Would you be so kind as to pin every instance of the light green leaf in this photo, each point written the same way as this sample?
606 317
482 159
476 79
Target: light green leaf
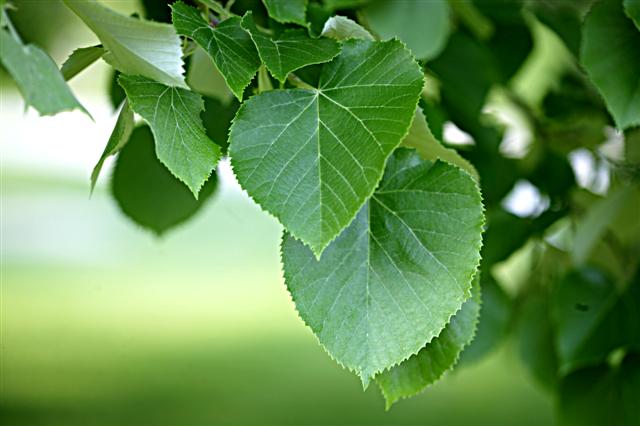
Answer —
228 44
395 276
312 157
134 46
79 60
422 25
287 11
292 50
341 28
204 78
610 53
174 116
119 137
437 357
632 9
37 77
421 138
147 192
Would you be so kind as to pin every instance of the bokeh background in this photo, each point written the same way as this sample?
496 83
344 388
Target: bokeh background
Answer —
103 323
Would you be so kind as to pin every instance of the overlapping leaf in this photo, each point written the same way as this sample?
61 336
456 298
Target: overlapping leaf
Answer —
287 11
174 116
37 77
292 50
79 60
394 277
134 46
312 157
437 357
147 192
228 44
610 53
341 28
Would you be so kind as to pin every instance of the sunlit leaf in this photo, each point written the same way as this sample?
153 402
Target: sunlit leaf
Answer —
341 28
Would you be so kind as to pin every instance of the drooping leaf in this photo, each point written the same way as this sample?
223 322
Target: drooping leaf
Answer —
79 60
228 44
422 25
287 11
37 76
437 357
632 9
312 157
147 192
421 138
119 137
134 46
610 53
291 50
394 277
173 114
341 28
602 395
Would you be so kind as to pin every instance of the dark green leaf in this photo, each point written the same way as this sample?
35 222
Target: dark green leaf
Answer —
286 11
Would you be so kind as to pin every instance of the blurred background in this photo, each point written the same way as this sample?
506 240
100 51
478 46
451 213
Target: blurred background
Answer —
103 323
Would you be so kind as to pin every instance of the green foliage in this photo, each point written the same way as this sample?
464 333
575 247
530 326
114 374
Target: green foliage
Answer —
352 153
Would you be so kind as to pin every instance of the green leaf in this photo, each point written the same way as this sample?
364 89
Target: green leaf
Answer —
421 138
147 192
203 77
395 276
217 117
341 28
610 53
602 395
312 157
437 357
291 50
174 117
79 60
119 137
134 46
228 44
632 9
37 77
422 25
287 11
344 4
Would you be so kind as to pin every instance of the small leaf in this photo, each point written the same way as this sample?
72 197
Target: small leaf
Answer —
437 357
228 44
287 11
134 46
610 53
341 28
37 76
119 137
292 50
312 157
79 60
174 117
147 192
394 277
421 138
422 25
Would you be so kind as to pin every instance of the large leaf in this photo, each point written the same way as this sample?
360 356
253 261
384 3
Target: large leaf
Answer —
286 11
174 116
79 60
437 357
610 53
394 277
134 46
291 50
228 44
312 157
422 25
37 77
147 192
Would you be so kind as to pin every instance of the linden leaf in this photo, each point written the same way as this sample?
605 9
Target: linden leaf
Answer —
228 44
292 50
395 276
174 117
134 46
287 11
312 157
79 60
